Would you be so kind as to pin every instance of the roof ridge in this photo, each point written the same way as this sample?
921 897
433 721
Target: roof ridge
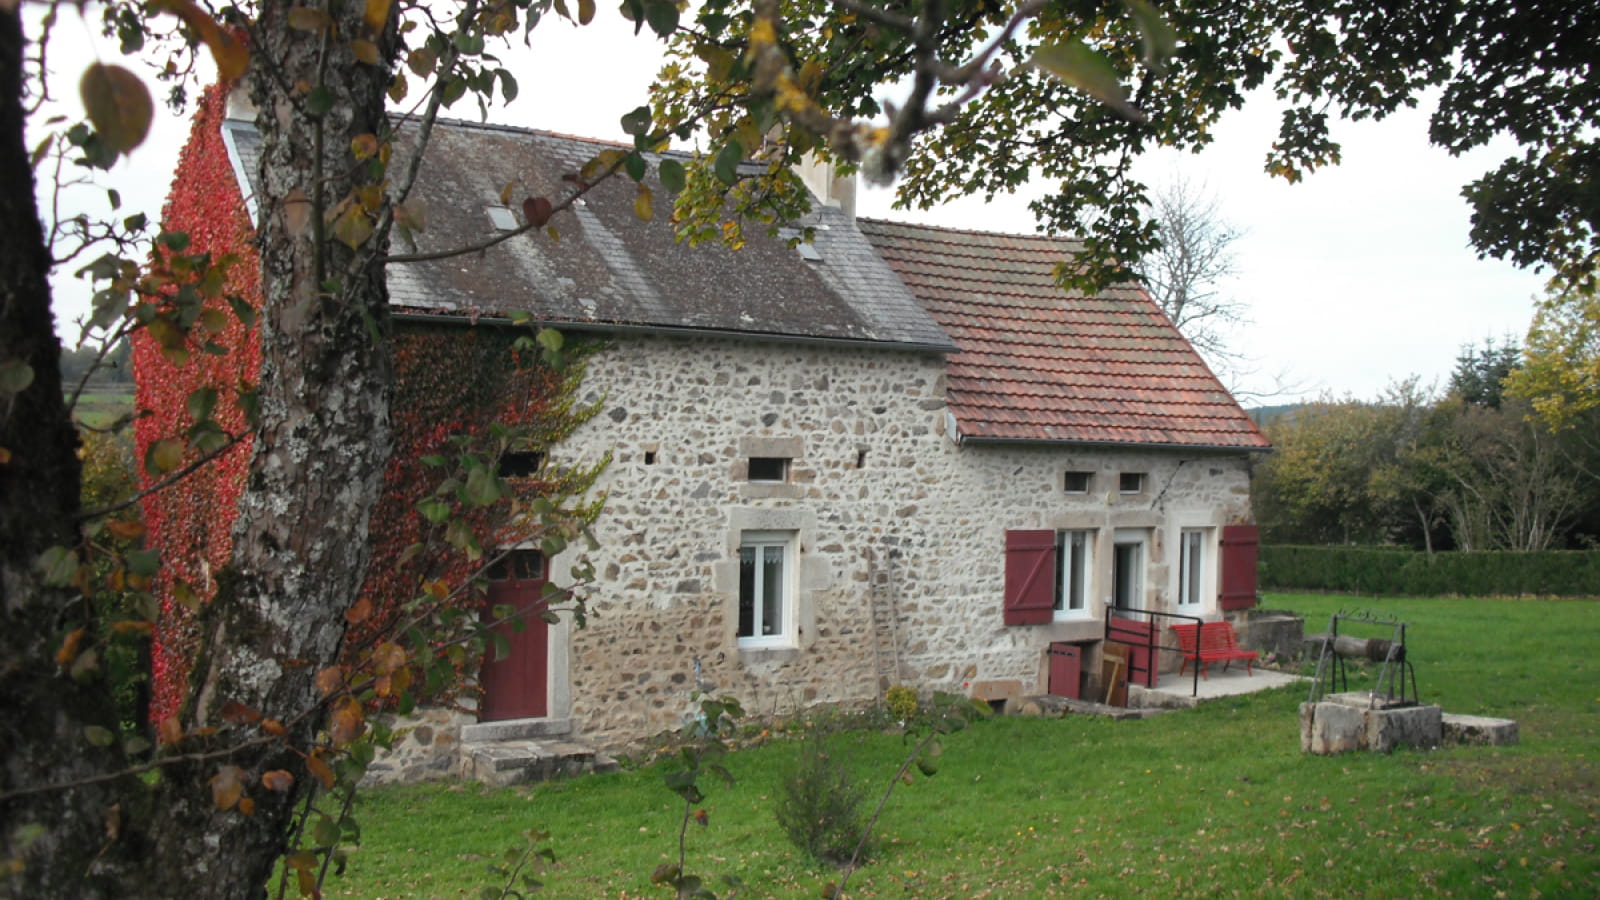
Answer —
1041 238
406 118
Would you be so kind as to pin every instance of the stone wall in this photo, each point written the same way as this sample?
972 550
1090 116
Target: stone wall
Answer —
886 507
428 748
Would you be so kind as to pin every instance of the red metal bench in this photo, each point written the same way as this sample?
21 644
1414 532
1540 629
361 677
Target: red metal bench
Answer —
1212 642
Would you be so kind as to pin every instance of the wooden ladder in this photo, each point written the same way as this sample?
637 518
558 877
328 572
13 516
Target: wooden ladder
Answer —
884 610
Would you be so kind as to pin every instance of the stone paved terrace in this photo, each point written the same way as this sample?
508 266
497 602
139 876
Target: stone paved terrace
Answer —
1173 690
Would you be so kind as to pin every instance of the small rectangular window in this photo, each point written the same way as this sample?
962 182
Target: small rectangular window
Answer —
518 565
769 468
1131 482
1075 482
520 465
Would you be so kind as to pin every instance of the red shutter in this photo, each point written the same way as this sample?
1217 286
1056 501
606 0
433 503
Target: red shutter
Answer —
1239 544
1030 577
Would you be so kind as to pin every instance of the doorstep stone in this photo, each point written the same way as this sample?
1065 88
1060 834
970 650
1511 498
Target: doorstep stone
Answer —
514 729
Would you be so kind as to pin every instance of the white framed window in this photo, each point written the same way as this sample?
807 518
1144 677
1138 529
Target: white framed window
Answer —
1192 568
1073 553
767 589
1076 482
1130 482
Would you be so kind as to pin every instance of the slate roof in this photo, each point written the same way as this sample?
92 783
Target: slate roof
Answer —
611 271
1037 363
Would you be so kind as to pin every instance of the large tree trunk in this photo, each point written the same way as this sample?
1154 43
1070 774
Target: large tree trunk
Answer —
300 549
300 542
54 836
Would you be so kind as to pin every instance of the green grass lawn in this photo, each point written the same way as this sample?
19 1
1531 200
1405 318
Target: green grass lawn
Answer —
100 406
1216 801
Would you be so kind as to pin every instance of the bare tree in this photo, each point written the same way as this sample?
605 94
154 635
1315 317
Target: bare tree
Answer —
1184 274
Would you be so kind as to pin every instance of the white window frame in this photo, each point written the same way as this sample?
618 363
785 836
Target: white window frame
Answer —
1073 545
760 542
1194 569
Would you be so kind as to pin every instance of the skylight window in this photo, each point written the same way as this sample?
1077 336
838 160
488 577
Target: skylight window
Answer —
808 251
503 218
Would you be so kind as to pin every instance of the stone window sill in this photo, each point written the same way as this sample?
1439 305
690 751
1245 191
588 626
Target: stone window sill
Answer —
770 490
767 655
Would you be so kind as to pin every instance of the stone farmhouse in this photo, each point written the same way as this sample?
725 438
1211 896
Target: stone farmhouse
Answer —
898 455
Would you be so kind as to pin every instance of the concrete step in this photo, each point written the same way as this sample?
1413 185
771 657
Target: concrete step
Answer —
1054 707
502 763
515 729
1141 697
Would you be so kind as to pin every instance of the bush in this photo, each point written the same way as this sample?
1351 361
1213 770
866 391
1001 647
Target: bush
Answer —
1396 572
902 702
819 805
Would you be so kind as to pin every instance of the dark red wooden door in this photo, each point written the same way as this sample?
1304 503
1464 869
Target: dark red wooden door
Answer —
515 686
1066 667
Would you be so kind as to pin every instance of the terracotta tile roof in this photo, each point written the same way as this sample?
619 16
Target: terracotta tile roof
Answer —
1037 363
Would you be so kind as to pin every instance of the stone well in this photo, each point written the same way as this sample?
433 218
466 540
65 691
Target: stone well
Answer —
1355 721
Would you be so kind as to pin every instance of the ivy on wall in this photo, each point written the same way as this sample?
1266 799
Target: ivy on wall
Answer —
464 396
191 520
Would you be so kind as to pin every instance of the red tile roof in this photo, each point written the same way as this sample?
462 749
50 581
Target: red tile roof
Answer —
1039 363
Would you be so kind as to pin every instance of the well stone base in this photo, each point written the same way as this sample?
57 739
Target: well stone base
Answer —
1344 722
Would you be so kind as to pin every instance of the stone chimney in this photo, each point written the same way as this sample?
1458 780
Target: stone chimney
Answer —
830 188
240 109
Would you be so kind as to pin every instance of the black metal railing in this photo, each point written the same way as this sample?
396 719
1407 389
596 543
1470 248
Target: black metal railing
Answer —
1122 630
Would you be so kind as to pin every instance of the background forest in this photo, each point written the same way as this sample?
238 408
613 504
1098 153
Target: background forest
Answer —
1506 456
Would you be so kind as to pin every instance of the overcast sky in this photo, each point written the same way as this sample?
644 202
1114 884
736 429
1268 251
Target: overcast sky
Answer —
1359 276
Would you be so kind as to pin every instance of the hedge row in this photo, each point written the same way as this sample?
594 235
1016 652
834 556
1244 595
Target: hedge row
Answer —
1385 570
